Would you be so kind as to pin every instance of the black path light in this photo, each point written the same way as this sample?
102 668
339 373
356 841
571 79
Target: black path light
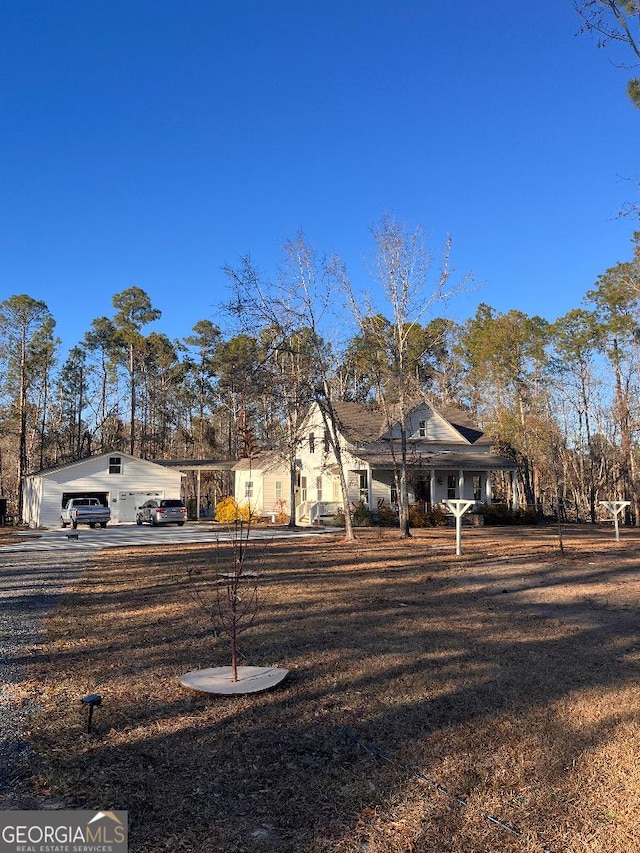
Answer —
92 701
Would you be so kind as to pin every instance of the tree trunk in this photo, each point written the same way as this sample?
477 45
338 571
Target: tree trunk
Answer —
293 477
403 496
132 389
22 419
330 421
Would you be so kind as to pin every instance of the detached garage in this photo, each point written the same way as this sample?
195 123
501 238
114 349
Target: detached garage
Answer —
118 480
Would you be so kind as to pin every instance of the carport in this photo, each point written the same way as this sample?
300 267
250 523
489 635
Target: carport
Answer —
223 467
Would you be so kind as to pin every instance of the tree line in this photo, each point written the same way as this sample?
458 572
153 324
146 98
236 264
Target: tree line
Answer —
560 397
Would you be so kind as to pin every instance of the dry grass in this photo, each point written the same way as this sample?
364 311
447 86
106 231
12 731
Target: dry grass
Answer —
10 535
508 676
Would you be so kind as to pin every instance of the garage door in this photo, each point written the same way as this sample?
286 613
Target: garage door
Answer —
123 508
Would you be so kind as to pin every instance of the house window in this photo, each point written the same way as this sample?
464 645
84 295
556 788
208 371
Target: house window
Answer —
327 441
363 482
312 443
452 482
278 490
422 429
248 489
394 496
319 488
115 465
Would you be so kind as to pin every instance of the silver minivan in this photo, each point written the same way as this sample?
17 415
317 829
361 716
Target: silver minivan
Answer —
162 511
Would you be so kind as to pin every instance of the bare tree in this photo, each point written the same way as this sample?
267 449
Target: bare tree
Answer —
292 313
403 274
309 283
615 21
229 598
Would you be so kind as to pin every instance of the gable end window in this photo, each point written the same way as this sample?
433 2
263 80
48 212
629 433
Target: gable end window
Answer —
422 429
312 443
115 464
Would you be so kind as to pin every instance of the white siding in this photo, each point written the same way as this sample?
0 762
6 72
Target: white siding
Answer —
353 486
270 497
255 476
381 488
264 486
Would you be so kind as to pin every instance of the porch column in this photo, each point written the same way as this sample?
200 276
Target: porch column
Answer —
461 484
369 487
198 495
515 503
432 486
487 488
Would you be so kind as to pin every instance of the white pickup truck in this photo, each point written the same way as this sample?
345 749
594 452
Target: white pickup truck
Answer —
85 511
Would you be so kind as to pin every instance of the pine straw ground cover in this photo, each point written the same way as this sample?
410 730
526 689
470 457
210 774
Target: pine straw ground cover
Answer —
509 676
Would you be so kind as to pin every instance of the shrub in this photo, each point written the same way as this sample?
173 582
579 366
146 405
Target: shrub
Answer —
501 514
229 510
437 516
387 516
282 515
362 516
417 516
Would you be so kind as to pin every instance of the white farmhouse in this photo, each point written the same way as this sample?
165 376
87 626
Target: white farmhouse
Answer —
448 458
119 481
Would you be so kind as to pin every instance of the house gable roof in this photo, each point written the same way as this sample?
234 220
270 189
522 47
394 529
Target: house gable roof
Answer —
264 462
462 423
44 472
361 424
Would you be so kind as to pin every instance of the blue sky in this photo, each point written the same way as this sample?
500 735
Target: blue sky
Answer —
151 143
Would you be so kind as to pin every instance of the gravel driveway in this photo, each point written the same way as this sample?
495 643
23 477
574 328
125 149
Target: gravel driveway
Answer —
29 587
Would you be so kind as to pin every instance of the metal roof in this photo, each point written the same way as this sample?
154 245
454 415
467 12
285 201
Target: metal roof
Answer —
427 459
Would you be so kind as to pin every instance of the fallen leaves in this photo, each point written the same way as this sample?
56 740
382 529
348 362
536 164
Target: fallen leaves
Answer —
513 701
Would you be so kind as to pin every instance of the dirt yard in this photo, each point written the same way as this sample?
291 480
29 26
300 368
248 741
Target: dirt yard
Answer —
435 704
